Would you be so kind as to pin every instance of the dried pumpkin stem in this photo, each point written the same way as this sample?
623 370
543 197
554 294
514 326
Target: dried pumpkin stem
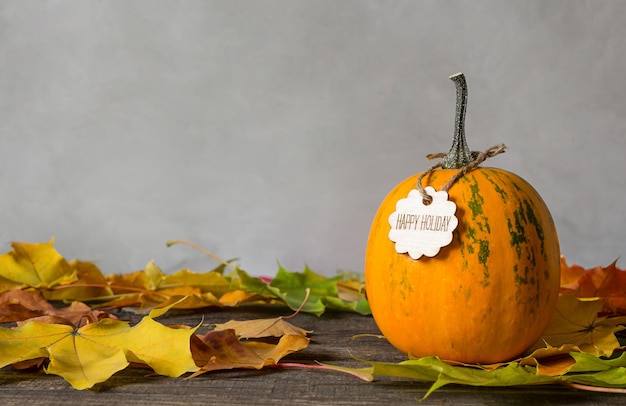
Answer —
460 154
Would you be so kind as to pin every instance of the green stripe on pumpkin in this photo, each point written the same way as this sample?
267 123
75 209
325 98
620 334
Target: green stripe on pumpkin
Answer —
496 186
532 219
475 203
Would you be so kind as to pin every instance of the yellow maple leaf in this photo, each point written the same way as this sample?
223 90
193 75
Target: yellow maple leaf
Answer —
90 354
576 322
213 281
89 284
79 356
164 349
34 265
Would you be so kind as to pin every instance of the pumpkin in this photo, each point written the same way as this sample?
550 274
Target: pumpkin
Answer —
487 296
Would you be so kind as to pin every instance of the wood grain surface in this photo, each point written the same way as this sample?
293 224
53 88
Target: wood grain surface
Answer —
331 342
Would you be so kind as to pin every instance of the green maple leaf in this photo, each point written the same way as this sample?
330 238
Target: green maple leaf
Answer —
589 370
573 350
291 288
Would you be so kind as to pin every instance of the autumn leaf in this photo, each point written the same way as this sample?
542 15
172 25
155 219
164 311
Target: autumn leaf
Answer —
237 297
244 282
551 361
89 284
19 305
586 363
147 279
231 345
272 327
92 353
351 287
33 265
291 288
78 356
598 372
570 276
164 349
223 350
607 283
213 281
576 322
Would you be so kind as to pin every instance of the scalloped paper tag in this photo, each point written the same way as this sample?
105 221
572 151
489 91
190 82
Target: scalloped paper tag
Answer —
419 229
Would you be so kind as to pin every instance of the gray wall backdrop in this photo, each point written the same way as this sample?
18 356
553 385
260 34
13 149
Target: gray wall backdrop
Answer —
271 130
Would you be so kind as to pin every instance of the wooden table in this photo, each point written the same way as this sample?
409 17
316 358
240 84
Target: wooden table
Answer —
291 386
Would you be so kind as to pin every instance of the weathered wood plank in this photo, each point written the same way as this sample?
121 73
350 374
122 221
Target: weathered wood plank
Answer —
331 343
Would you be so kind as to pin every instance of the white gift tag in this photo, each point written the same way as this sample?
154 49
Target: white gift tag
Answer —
419 229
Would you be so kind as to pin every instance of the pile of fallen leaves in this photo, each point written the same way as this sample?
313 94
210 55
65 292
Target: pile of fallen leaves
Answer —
90 351
41 268
86 344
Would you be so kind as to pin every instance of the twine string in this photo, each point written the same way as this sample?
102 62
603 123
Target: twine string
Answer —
478 157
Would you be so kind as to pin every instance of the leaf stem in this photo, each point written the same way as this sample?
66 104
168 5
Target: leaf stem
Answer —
299 309
591 388
366 376
460 154
202 250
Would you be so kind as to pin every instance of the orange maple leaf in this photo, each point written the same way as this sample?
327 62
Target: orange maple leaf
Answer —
570 276
608 283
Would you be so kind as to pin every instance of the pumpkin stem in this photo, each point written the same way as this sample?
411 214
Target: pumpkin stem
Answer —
460 154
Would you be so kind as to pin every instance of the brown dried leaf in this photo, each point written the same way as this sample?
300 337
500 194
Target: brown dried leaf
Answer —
222 349
274 327
17 304
28 305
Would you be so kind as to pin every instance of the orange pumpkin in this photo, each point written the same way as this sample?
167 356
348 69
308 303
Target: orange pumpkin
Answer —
489 295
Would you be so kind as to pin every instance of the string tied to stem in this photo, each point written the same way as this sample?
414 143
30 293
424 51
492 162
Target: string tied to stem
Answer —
478 157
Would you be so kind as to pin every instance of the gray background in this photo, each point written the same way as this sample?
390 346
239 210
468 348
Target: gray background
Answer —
271 130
